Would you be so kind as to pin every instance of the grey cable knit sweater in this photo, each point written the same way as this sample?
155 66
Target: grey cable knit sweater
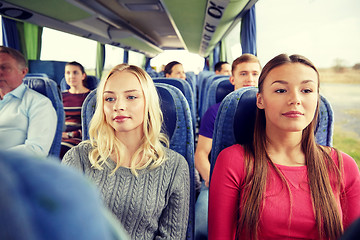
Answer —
153 205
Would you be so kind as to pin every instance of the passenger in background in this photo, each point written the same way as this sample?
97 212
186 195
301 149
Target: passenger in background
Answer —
27 118
174 69
144 183
283 185
222 68
245 73
73 99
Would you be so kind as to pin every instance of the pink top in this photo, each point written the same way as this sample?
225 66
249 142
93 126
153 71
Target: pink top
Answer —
226 188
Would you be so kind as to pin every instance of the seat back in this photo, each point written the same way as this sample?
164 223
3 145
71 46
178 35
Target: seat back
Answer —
49 88
202 78
185 88
53 69
177 125
235 121
87 112
91 83
191 79
218 90
152 73
205 90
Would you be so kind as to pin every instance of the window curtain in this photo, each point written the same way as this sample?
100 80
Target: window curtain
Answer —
223 56
216 56
10 34
248 32
211 61
100 59
147 65
126 56
206 64
25 37
33 40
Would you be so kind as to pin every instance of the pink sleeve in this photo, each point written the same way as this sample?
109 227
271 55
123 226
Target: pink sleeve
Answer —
224 194
350 200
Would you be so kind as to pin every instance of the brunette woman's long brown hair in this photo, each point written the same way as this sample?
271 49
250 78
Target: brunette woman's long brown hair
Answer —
323 173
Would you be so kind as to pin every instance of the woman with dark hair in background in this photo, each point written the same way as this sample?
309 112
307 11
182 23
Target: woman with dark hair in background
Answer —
73 99
174 69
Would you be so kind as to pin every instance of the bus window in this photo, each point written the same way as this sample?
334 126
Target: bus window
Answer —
69 48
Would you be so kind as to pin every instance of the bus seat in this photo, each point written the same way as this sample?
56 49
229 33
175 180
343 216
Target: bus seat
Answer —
54 69
49 88
235 121
202 75
205 89
191 79
43 75
152 73
91 81
218 90
201 84
185 88
177 125
87 111
325 124
43 200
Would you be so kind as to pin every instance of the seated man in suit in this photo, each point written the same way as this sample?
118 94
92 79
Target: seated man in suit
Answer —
27 119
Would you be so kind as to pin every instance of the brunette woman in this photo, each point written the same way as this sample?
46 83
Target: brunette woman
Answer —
283 185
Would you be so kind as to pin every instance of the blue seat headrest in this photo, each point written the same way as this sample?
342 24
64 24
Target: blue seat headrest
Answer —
169 113
245 114
223 89
37 85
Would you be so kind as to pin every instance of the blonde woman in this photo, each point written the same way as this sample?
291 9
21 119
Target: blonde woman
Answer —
145 184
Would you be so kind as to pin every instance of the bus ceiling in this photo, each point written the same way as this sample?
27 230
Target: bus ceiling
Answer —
146 26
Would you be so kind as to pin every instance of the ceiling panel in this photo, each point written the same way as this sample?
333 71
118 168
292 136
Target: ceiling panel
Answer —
147 26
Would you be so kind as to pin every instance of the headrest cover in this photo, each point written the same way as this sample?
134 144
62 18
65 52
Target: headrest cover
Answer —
244 120
169 112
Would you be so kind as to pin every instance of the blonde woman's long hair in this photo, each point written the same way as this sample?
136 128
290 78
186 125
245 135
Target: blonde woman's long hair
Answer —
102 135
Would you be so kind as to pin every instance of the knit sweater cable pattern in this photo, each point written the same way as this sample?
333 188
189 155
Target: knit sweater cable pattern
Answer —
153 205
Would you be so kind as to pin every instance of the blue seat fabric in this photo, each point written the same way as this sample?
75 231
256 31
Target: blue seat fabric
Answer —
185 88
87 111
53 69
218 90
50 89
182 138
206 86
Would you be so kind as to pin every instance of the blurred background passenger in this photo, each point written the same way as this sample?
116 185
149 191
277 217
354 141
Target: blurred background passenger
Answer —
222 68
73 99
174 69
27 118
